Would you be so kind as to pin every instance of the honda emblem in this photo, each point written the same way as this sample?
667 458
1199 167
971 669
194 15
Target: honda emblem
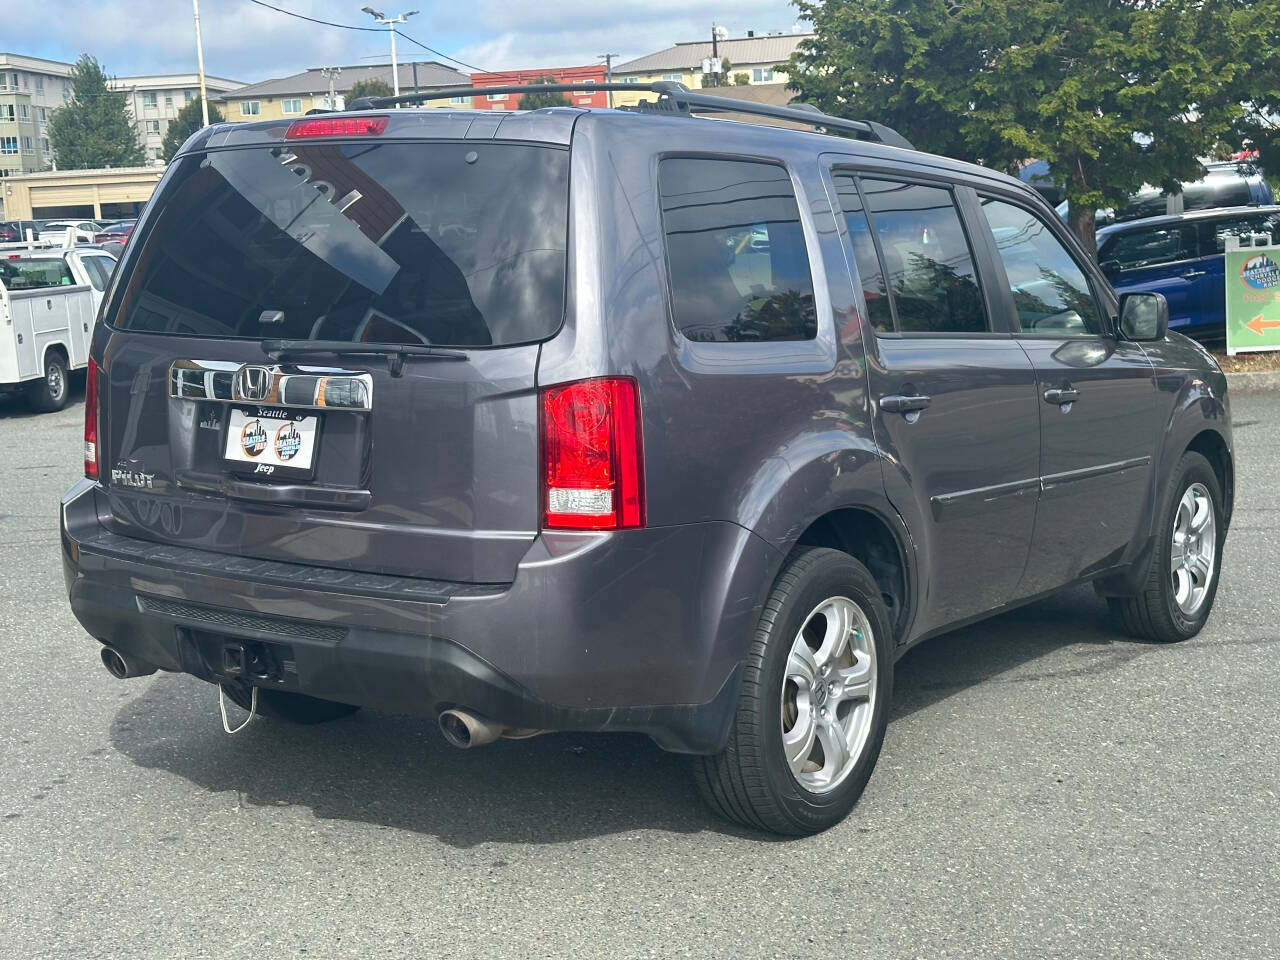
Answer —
251 383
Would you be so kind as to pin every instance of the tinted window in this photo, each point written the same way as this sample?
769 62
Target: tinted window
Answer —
879 313
1049 288
735 251
447 243
35 274
926 258
1216 191
1150 247
1252 230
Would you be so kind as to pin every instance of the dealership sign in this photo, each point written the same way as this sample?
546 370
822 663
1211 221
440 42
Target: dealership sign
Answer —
1253 297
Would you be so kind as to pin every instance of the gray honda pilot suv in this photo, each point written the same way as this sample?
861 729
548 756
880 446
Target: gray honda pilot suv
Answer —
621 420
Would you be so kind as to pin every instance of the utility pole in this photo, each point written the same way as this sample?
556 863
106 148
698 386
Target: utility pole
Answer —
715 54
332 74
608 72
204 99
391 28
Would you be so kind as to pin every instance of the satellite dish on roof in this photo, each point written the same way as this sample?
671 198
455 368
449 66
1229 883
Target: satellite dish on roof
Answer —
721 32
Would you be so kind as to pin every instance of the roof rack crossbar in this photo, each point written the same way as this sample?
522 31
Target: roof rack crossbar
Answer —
673 97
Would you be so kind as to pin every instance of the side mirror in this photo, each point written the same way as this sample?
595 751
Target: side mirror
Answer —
1144 316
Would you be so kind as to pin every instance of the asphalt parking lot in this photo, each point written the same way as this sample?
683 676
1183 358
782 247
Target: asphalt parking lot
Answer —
1047 789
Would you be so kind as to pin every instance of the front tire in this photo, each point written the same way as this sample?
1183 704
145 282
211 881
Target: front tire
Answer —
51 392
814 702
1181 576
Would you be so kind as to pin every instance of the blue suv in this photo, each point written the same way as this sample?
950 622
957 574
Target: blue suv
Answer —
1181 256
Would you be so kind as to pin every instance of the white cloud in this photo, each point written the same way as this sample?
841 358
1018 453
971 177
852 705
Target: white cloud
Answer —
248 42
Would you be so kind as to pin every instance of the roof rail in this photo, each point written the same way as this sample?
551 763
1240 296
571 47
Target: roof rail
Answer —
673 98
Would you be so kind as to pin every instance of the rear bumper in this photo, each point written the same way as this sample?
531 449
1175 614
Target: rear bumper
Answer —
640 631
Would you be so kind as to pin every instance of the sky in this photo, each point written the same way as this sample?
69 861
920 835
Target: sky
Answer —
250 43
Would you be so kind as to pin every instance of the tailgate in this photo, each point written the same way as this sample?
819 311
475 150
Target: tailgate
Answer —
413 464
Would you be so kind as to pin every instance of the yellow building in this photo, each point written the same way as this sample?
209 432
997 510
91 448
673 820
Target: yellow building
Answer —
293 96
112 193
752 60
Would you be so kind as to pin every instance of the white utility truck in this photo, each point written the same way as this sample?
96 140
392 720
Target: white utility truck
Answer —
49 298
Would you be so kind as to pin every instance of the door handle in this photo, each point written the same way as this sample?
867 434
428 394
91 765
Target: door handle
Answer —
1061 395
1192 274
900 404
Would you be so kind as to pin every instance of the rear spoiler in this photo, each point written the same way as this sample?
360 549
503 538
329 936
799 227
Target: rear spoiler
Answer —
674 99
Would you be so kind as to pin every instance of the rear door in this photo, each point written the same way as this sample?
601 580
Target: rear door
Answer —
1097 400
421 465
956 413
1161 259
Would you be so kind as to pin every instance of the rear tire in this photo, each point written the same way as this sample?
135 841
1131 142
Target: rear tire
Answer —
809 725
291 707
52 391
1174 602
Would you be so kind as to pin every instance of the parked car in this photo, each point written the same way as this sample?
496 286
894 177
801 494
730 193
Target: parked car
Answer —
84 230
16 231
47 308
1227 183
117 232
1181 257
526 450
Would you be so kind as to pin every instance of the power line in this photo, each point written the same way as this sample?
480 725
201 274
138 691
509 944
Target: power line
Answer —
350 26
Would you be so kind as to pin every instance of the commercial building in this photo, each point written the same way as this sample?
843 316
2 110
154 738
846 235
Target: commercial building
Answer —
90 194
294 95
31 88
586 97
752 60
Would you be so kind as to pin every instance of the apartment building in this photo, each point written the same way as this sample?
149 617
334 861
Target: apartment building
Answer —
294 95
31 88
588 76
153 101
754 59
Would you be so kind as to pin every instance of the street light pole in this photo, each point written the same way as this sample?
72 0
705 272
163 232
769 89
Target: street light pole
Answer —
391 28
204 99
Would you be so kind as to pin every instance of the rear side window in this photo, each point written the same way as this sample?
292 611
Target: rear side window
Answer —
1216 191
879 313
926 258
35 274
1254 230
1150 248
460 244
736 254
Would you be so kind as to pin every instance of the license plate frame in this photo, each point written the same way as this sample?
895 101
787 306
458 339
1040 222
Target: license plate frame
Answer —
278 430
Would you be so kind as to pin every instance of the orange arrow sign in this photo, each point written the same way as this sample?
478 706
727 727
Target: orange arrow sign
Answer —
1257 324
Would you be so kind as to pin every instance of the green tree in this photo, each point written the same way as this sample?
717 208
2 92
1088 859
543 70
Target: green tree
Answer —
1112 94
94 128
373 87
741 79
536 100
189 119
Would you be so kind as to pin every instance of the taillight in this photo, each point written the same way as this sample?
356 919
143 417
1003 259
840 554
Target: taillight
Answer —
91 421
336 127
592 455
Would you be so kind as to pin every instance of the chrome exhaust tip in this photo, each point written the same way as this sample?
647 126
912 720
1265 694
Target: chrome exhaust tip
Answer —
122 667
464 730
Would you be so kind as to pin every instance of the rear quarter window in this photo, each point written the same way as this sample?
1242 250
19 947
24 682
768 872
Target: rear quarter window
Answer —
736 254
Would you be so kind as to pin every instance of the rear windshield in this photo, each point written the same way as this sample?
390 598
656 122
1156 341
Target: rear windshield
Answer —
34 274
459 244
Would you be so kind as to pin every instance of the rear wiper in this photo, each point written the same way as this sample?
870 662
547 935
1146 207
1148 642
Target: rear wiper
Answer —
394 352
